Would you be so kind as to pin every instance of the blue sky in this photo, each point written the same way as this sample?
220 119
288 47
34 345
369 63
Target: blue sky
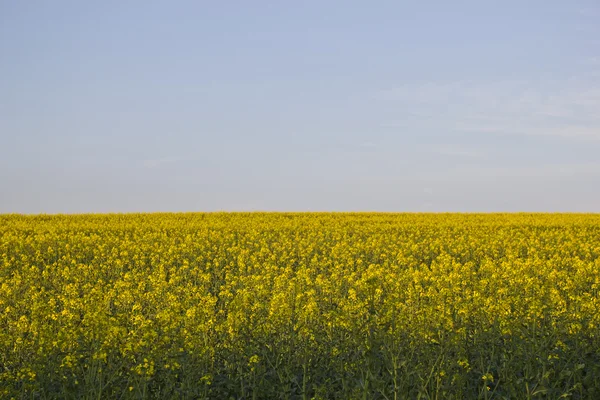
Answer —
299 106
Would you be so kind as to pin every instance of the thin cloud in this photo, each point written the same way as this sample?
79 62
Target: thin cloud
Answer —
588 11
526 129
158 162
368 145
455 151
566 109
550 171
426 206
592 61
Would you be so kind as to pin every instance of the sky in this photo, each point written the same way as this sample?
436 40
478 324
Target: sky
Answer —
402 106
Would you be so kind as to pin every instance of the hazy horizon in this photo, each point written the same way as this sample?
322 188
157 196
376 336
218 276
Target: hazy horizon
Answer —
339 106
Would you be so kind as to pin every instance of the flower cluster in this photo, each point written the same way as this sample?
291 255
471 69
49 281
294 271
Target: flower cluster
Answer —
300 305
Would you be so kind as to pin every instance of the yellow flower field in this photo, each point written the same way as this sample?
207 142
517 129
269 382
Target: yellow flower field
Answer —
300 305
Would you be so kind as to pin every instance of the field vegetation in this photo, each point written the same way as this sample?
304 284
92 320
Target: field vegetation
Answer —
300 306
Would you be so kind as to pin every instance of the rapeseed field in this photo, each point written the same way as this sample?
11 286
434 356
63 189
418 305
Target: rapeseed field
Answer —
300 306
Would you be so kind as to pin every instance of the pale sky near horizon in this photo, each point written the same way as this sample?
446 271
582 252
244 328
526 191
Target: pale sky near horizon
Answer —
111 106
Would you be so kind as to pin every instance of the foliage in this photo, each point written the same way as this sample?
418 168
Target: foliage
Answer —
300 305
